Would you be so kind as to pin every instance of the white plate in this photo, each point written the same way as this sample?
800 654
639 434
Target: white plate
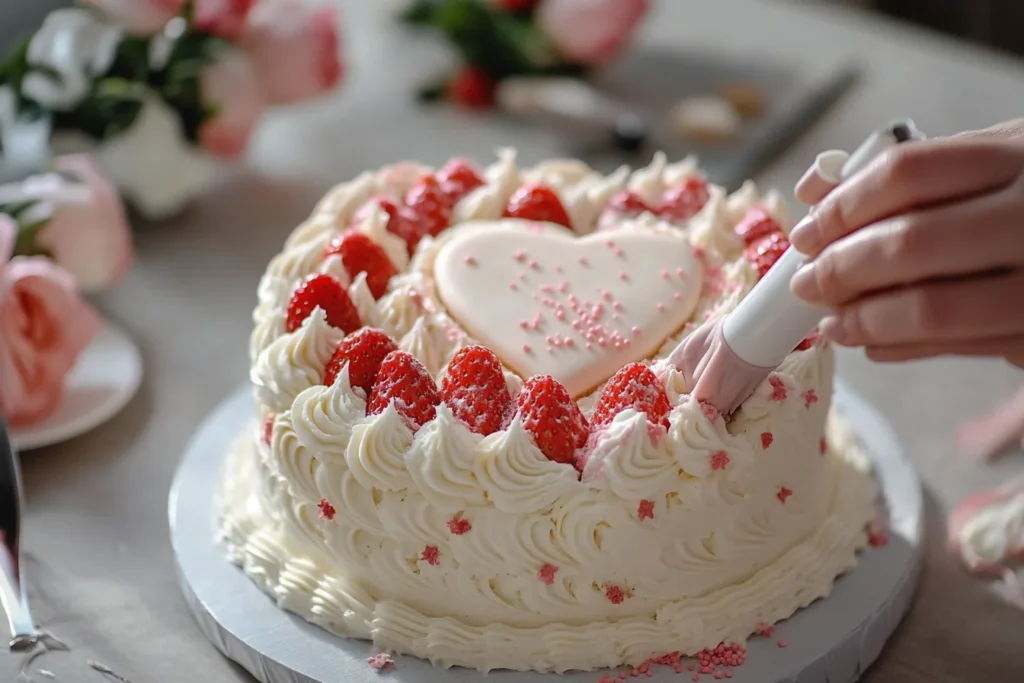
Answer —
832 641
106 377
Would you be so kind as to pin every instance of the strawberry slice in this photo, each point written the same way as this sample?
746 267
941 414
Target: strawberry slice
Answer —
763 253
474 388
472 87
685 200
364 350
359 253
548 412
405 382
535 202
430 205
757 225
401 221
628 203
634 386
458 178
330 295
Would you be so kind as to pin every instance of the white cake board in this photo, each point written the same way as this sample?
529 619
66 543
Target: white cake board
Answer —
832 641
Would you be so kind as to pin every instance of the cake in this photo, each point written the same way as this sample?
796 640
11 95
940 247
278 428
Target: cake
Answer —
469 449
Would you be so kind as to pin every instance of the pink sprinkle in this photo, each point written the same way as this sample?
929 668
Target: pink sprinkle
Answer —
546 573
606 295
547 289
680 272
583 261
570 343
661 306
719 460
559 269
519 255
645 510
782 642
431 555
380 661
534 264
563 286
513 287
822 445
470 261
614 594
617 251
560 314
602 342
523 324
549 339
610 243
623 276
728 673
709 411
719 675
617 305
677 296
589 346
527 349
665 274
782 495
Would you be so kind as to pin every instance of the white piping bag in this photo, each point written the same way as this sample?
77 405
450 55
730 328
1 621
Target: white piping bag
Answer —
725 360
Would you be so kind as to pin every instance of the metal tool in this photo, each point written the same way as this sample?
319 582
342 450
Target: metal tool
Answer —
13 590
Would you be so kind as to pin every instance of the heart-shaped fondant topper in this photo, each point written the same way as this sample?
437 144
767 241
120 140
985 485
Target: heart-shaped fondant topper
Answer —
548 302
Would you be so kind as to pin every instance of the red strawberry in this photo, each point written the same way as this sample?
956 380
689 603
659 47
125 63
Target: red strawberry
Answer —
474 388
516 5
404 381
472 87
763 253
634 386
548 412
330 295
359 253
537 203
757 225
401 221
683 201
364 350
430 206
810 340
628 203
458 178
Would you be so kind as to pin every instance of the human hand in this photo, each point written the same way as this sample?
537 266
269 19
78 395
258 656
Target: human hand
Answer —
922 253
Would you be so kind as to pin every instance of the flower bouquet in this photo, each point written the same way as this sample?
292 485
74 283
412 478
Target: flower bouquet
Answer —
498 39
61 233
156 89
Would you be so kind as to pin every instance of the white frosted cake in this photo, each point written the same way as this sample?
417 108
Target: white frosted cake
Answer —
469 450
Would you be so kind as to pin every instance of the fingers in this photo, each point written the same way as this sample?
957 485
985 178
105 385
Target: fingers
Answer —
963 238
907 177
985 307
995 433
822 177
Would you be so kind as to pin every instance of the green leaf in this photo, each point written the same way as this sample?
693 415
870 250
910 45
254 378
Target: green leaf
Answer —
109 108
485 37
15 209
419 13
25 241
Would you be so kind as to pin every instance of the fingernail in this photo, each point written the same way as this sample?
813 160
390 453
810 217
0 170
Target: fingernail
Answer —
805 284
831 329
804 235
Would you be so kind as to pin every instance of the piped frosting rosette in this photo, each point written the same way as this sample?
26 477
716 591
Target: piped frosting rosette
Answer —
469 450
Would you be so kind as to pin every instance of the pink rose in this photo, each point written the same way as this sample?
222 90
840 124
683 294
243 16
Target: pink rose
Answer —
231 89
87 233
590 32
225 18
139 17
44 326
295 48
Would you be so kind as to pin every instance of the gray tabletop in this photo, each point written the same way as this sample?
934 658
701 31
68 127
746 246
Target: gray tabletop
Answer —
98 559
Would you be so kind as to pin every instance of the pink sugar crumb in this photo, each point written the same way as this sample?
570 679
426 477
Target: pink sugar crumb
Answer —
636 331
534 264
617 305
523 324
519 255
783 494
470 261
623 276
459 526
779 392
513 286
610 244
618 252
327 510
547 289
822 446
677 296
766 440
766 630
570 343
589 345
546 573
582 260
614 594
680 272
645 510
559 269
877 537
781 642
380 661
431 555
563 286
665 274
719 460
810 398
527 349
661 307
709 411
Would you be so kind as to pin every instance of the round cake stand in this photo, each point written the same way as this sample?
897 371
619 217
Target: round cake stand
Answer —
832 641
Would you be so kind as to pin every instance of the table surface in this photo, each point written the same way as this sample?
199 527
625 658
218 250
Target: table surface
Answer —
98 561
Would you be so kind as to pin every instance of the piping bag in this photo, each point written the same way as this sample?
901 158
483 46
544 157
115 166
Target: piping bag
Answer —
725 360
